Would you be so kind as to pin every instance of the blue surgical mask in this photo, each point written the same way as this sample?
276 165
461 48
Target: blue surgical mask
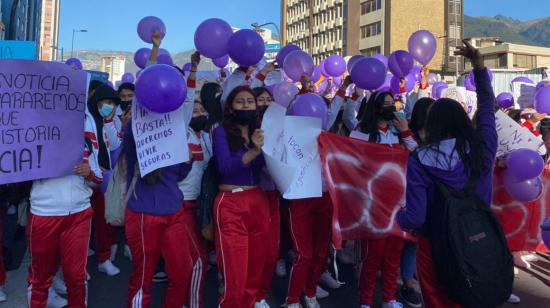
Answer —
106 110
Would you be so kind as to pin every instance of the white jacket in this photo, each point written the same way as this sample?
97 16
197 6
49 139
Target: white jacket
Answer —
69 194
191 185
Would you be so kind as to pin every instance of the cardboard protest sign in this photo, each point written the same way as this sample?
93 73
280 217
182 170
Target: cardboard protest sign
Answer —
512 136
42 106
467 99
524 94
161 139
291 153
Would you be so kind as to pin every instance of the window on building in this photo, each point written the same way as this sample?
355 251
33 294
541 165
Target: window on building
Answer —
525 61
369 52
371 29
370 6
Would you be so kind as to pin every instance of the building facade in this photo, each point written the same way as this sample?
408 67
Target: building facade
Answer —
114 66
501 55
368 27
49 31
21 19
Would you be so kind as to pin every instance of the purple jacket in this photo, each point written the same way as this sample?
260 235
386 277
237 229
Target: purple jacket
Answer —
230 164
423 211
163 198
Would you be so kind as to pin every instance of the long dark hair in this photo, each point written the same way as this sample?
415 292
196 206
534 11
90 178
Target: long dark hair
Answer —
232 129
447 119
261 90
419 115
369 120
211 103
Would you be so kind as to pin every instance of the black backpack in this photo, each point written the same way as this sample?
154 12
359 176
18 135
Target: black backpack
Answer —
472 259
205 201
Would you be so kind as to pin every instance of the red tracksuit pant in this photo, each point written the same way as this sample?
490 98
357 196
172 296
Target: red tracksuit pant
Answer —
105 234
53 239
382 254
149 236
273 243
432 294
197 256
311 228
241 225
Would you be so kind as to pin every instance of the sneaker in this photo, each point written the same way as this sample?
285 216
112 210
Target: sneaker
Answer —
321 293
261 304
392 304
280 270
127 252
3 296
160 277
410 297
114 249
329 281
519 261
529 257
54 300
59 285
365 306
296 305
513 299
108 268
311 302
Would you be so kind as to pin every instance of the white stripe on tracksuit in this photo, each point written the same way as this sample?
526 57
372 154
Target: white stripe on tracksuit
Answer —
138 297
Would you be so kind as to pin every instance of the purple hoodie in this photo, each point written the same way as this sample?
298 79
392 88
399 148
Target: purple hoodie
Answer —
423 211
163 198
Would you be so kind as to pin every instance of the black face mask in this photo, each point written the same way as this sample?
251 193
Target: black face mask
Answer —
261 110
125 104
198 123
245 117
387 113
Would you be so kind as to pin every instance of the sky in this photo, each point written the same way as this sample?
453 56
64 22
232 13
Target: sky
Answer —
111 24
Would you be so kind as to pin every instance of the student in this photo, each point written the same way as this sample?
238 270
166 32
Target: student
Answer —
102 106
383 125
241 209
59 226
210 97
126 92
455 149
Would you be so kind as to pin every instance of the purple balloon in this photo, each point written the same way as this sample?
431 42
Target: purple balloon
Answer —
141 57
368 74
246 47
542 100
353 60
382 58
281 55
221 62
505 100
542 84
395 84
322 87
400 63
522 79
524 164
161 88
546 238
524 191
471 86
432 78
386 86
316 75
310 105
147 26
437 89
335 66
165 59
416 71
284 93
337 81
410 82
322 67
186 67
422 46
212 36
127 78
74 63
298 63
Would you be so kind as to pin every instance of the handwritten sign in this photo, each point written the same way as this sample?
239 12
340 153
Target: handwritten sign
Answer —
42 106
467 99
25 50
512 136
292 154
524 94
161 139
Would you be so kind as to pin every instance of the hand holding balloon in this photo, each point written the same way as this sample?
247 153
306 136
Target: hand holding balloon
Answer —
156 38
195 60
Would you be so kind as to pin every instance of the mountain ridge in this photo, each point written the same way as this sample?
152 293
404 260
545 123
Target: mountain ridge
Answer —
532 32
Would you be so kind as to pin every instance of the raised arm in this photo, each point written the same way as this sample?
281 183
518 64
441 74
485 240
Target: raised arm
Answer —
157 40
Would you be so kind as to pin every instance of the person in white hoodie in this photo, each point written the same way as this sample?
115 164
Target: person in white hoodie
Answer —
59 227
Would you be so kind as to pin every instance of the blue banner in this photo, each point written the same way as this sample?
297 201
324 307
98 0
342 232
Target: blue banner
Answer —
25 50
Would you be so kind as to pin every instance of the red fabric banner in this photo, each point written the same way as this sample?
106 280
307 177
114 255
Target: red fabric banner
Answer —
366 182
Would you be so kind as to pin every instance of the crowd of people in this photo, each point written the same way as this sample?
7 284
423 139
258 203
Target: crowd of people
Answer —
253 230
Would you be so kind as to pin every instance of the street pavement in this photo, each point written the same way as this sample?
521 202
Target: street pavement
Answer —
532 285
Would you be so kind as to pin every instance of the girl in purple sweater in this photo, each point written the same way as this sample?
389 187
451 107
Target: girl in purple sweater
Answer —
455 148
